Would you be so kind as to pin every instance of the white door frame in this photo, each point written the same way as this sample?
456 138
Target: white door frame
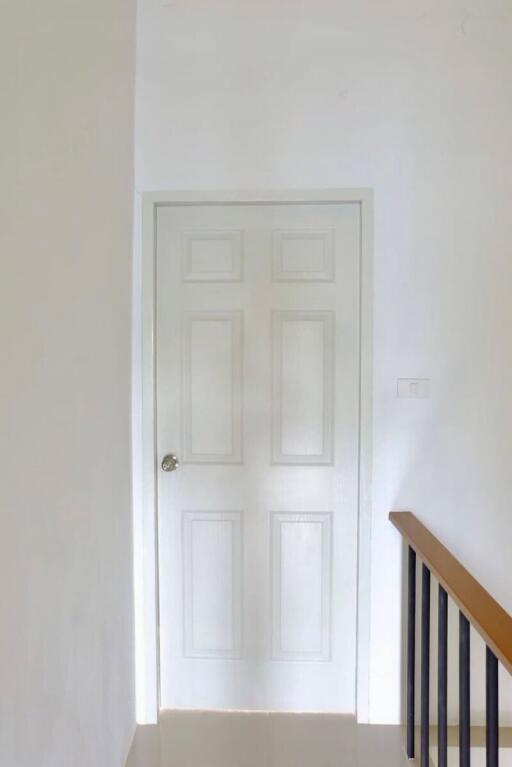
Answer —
144 452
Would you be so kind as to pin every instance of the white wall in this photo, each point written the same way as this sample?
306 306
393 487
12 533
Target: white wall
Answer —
66 164
411 98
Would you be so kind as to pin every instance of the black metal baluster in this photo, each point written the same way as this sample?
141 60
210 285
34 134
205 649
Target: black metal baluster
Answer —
442 679
492 731
464 693
411 653
425 666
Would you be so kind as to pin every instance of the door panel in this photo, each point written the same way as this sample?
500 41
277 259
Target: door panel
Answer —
301 575
258 395
303 387
212 578
212 387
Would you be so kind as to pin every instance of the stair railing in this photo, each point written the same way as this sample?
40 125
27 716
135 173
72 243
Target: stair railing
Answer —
476 607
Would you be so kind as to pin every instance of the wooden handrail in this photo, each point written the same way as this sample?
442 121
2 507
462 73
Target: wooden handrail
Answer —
491 621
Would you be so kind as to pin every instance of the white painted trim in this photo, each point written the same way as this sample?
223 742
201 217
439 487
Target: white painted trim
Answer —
316 196
365 462
144 490
146 531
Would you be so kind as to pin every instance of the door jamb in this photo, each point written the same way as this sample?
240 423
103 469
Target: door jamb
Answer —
144 442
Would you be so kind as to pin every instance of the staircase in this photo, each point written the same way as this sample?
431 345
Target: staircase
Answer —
464 745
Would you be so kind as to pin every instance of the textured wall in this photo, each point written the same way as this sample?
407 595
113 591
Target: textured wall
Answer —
66 163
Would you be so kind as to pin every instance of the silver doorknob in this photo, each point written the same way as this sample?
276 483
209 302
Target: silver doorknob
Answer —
170 462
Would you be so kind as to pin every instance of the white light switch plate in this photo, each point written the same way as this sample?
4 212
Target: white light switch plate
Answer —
413 388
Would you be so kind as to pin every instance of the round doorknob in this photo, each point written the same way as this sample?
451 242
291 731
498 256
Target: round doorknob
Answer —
170 462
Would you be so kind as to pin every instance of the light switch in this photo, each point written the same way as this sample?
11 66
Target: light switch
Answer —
413 388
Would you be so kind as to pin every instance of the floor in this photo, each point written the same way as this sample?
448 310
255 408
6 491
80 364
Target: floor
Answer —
242 739
235 739
478 756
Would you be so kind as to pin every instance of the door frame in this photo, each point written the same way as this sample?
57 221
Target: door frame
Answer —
145 522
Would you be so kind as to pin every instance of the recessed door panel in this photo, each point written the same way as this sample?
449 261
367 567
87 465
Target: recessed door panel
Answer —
212 577
301 598
212 387
303 387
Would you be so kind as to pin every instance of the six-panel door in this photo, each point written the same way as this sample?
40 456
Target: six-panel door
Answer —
258 396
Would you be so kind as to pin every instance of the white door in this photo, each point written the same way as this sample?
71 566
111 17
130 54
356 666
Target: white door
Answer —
258 397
